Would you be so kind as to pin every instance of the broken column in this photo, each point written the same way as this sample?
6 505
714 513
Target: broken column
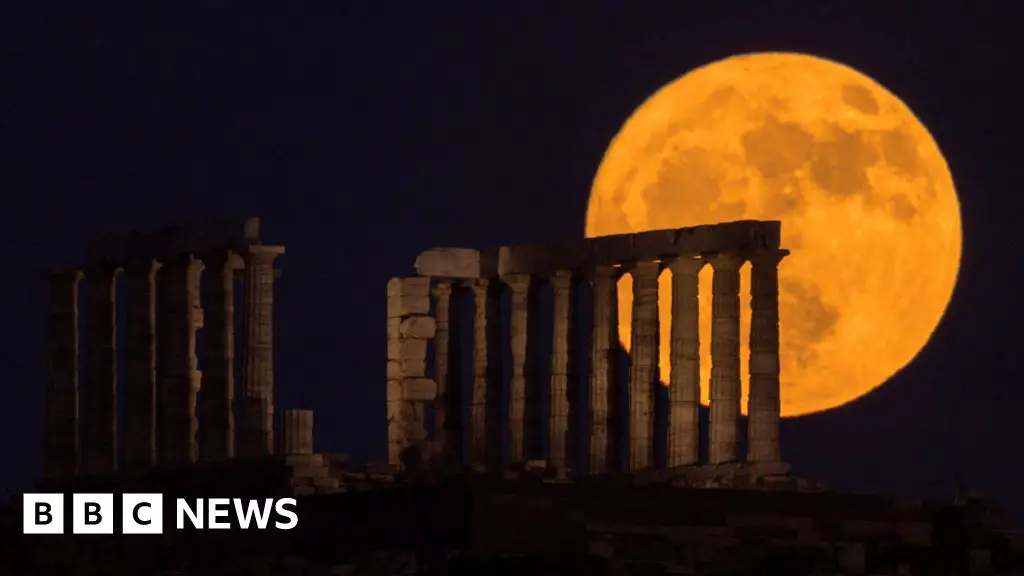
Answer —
520 286
179 316
763 405
485 395
683 442
256 390
447 373
60 427
295 432
603 374
216 418
643 372
725 358
99 394
140 365
561 371
408 389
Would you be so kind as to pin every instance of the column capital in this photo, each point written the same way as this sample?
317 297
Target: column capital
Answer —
142 266
561 280
102 268
226 258
643 268
725 261
518 282
768 257
442 289
261 253
686 266
604 271
69 275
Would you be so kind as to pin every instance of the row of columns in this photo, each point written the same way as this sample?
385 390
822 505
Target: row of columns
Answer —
159 356
683 441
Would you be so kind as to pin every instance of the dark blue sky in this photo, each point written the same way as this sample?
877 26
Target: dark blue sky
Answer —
362 132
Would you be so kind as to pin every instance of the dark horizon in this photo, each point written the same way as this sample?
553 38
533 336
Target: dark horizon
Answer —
361 136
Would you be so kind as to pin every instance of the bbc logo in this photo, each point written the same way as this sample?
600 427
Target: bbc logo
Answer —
92 514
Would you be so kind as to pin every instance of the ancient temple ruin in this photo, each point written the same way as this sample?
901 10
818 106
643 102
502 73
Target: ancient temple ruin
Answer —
421 308
167 421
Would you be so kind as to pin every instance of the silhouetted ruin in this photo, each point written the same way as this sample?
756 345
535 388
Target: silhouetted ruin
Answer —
472 484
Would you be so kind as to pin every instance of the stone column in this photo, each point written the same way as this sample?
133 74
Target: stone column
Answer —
256 398
60 428
408 389
725 358
296 432
447 374
216 417
99 395
603 371
684 387
643 372
561 371
140 365
485 396
522 374
763 406
180 315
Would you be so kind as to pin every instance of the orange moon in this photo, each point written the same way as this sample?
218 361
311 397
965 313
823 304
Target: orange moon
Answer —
867 204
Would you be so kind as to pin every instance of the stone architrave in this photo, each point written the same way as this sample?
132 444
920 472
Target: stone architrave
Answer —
683 442
409 328
522 299
447 372
60 429
256 389
216 416
296 432
643 372
485 395
561 371
763 405
725 358
99 395
140 365
603 374
180 315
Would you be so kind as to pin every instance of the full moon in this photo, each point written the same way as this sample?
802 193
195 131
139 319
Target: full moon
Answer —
866 200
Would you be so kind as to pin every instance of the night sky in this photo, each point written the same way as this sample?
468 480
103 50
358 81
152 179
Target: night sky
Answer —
363 132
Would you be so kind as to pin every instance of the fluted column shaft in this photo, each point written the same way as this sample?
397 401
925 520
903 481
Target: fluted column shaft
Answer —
643 372
561 370
519 423
763 406
447 372
216 417
604 359
683 442
99 395
256 394
60 429
140 365
485 395
725 358
177 366
296 432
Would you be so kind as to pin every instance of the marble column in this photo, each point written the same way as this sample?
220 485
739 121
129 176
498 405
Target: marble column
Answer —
60 428
180 314
447 373
683 442
561 371
485 396
522 299
603 372
216 416
140 365
256 394
99 395
725 358
643 372
763 406
296 432
409 329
